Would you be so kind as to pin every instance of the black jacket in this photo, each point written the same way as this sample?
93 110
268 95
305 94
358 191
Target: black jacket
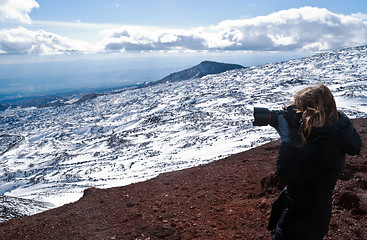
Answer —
310 173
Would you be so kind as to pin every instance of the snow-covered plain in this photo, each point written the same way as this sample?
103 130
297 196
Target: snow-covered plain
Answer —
53 154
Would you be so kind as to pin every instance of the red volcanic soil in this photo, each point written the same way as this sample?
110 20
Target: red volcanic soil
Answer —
227 199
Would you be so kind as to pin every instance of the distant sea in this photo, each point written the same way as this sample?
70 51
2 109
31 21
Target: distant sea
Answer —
23 76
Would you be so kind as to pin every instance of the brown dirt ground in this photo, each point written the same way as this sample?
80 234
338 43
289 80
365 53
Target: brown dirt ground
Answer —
227 199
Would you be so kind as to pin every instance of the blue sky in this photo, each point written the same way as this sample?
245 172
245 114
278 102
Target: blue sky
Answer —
47 27
176 13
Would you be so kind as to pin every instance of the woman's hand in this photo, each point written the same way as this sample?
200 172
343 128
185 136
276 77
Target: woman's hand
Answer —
283 129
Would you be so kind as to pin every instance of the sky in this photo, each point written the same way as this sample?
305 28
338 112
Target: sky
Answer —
54 27
62 46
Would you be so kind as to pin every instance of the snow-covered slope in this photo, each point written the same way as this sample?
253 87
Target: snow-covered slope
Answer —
12 207
121 138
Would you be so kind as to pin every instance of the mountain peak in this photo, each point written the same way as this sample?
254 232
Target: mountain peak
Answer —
200 70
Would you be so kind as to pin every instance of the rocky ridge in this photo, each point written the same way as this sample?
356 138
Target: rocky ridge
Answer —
198 71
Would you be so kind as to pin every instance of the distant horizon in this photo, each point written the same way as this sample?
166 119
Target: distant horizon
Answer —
56 75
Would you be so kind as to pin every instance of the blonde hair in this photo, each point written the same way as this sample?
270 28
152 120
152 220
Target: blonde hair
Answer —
318 108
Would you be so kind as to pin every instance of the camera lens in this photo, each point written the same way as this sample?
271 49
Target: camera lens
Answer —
261 117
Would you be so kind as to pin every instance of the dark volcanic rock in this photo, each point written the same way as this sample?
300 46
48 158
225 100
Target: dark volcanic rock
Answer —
227 199
271 183
349 200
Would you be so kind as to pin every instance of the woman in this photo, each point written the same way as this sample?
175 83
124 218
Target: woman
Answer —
310 169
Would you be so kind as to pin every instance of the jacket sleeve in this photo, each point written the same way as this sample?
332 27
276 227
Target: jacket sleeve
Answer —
354 145
347 137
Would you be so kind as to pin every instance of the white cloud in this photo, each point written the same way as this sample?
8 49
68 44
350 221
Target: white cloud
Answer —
133 38
16 10
23 41
362 16
306 28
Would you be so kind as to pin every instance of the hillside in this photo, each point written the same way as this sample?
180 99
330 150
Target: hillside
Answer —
225 199
52 154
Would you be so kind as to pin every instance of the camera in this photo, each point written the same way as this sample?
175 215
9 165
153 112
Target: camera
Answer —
264 117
